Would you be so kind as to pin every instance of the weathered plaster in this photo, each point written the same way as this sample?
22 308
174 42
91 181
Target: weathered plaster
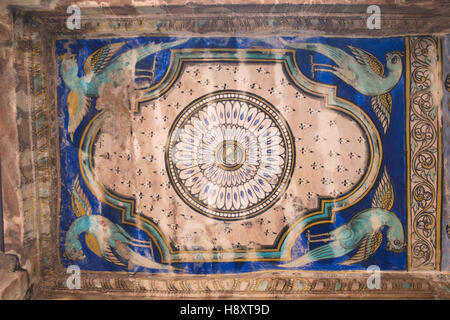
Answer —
9 141
14 280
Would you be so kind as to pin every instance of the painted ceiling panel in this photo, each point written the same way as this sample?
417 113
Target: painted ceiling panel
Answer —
225 155
205 156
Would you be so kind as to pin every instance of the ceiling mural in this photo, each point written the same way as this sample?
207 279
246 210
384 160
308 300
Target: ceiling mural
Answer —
231 155
224 151
189 165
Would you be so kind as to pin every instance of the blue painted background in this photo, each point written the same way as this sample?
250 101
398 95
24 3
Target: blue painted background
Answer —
394 157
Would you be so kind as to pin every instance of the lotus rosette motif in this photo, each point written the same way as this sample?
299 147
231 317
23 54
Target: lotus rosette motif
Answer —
230 155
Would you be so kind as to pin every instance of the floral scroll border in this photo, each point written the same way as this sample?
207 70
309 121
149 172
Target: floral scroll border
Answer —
424 155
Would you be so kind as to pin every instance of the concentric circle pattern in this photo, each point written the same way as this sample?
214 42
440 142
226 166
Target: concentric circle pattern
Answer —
230 155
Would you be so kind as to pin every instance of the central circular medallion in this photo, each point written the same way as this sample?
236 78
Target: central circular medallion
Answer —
230 155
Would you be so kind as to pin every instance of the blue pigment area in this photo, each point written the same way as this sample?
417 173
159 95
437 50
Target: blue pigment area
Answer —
394 150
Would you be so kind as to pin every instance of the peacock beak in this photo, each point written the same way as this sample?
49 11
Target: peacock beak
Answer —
62 57
400 249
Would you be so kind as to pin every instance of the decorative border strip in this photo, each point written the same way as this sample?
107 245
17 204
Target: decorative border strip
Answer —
255 286
424 158
41 145
291 19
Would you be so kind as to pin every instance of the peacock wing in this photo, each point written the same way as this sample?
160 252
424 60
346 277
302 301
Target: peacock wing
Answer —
384 194
100 58
368 247
367 59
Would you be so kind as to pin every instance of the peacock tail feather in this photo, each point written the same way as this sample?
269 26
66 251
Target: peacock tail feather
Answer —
382 105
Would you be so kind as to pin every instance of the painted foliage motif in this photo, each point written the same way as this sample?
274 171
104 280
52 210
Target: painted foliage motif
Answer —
229 155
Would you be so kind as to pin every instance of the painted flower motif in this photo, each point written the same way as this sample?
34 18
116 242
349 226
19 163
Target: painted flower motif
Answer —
423 47
422 78
228 156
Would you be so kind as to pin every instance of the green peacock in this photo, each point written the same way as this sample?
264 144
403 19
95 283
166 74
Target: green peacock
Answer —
363 71
103 237
102 66
362 233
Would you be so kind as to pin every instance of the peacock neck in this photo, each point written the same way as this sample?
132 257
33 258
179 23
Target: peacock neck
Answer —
394 224
73 82
390 220
393 77
81 225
